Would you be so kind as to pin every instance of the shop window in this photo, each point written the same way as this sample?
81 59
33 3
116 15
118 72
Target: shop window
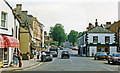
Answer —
95 39
1 54
99 49
106 50
102 49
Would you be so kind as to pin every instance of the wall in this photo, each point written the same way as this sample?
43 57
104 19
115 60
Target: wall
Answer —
24 40
101 37
113 49
10 18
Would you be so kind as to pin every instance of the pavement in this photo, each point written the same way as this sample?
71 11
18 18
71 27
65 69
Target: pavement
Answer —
26 64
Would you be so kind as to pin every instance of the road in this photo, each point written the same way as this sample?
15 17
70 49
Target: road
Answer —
76 63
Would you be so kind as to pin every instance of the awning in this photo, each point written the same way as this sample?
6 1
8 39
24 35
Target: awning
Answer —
10 42
1 42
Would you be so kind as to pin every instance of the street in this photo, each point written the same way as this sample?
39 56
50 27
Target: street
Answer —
76 63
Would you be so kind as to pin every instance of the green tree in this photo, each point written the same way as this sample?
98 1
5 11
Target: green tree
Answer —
57 33
72 37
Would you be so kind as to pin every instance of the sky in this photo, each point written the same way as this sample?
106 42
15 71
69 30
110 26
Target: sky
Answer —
72 14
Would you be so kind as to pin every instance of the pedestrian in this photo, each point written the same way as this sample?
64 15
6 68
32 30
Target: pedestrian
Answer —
44 55
15 59
92 53
34 55
20 58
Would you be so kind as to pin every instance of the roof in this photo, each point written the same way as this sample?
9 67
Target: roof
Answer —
99 29
107 26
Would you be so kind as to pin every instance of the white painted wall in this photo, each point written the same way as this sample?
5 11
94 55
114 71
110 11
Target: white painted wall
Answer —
92 48
10 18
101 37
113 49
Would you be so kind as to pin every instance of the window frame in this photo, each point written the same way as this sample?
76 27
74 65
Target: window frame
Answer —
4 19
95 39
105 39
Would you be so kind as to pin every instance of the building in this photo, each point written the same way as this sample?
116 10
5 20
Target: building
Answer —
31 31
9 33
97 39
115 28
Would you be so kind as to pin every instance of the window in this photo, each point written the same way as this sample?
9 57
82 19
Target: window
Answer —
95 39
3 19
107 39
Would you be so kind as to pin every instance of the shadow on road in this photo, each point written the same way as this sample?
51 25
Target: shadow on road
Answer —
112 64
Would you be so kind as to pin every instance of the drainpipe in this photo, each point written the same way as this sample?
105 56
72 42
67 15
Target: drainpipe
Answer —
86 43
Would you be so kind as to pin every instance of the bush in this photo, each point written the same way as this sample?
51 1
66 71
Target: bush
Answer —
24 57
31 56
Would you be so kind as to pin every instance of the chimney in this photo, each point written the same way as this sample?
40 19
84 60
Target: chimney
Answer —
107 23
25 12
90 26
19 6
96 23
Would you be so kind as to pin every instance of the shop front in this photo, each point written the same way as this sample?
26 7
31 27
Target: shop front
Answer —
7 46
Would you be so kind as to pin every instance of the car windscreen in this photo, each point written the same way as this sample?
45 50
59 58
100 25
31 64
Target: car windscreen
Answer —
102 53
53 52
47 53
116 55
65 52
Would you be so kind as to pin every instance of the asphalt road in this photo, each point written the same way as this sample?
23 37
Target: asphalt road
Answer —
76 63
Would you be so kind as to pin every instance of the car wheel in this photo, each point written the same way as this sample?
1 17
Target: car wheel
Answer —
113 63
108 62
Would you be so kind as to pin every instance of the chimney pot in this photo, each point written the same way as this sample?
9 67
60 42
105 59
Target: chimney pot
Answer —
107 23
19 6
96 23
90 26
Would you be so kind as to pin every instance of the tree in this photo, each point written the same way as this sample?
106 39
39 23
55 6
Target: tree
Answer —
57 33
73 36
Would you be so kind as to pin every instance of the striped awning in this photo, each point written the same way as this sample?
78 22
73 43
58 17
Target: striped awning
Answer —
1 42
10 42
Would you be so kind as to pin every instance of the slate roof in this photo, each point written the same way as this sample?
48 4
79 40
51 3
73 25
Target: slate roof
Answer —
99 29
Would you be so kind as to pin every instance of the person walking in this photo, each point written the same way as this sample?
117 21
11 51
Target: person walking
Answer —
20 58
92 53
15 59
34 55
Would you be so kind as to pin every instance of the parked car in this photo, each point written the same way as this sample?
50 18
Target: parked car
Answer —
47 56
100 55
54 48
114 58
61 48
75 48
54 53
65 54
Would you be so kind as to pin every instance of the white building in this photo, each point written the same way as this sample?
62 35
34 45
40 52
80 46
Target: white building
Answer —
9 33
97 39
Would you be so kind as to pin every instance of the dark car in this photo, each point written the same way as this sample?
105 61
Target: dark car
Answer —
65 54
100 55
54 53
46 57
114 58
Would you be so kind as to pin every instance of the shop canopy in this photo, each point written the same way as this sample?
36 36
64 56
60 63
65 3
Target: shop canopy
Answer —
1 42
10 42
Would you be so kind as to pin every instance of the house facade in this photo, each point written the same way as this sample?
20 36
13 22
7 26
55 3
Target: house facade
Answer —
97 39
115 28
9 33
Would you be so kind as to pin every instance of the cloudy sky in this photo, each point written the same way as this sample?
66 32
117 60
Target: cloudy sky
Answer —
72 14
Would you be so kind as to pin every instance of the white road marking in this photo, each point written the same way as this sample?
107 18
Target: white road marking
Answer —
106 68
